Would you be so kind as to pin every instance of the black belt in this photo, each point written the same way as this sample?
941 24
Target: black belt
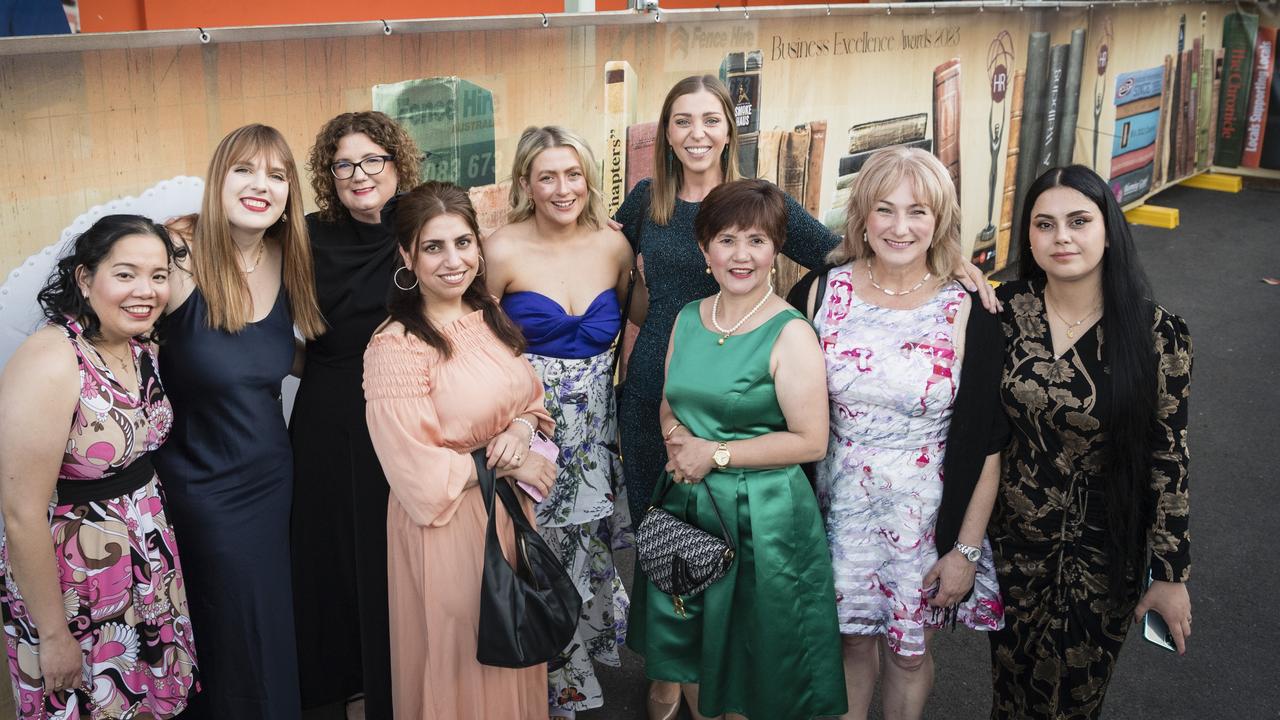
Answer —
135 475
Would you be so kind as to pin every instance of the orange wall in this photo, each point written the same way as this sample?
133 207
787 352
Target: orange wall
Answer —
118 15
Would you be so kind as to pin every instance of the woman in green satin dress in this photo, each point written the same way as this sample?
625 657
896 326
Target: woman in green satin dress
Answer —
744 378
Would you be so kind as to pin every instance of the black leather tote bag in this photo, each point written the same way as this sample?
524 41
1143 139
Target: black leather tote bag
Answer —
528 613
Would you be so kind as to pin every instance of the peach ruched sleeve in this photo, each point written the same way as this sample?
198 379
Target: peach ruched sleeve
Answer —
426 414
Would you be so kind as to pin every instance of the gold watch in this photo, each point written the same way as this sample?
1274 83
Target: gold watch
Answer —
721 456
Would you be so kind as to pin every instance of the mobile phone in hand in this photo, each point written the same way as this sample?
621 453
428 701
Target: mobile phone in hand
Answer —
530 490
1154 629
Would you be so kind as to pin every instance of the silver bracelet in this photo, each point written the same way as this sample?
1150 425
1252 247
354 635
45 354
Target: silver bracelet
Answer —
532 430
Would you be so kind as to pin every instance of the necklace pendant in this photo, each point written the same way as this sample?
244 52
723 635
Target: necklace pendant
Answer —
721 340
1071 332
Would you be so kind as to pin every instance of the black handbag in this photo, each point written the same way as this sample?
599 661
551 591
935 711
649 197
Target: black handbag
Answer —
679 558
528 613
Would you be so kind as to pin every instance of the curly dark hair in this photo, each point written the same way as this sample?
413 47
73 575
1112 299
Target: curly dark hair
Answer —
60 298
382 130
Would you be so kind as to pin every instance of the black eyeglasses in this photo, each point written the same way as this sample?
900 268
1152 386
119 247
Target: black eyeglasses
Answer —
371 165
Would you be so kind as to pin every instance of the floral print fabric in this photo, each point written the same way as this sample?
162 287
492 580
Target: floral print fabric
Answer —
117 562
585 520
892 377
1063 633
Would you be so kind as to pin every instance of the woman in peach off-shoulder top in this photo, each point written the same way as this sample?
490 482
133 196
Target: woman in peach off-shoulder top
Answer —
443 377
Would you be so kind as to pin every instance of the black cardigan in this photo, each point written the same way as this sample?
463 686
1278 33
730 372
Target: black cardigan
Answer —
978 424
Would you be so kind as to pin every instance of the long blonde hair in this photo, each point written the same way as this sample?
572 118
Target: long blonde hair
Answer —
213 252
930 183
533 141
668 173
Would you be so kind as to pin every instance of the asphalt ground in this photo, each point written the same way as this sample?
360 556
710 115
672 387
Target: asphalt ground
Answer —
1208 271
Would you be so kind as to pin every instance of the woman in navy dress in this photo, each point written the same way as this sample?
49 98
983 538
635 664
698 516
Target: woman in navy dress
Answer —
227 466
559 271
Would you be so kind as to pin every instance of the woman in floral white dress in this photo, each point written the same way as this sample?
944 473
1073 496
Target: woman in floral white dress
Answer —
909 551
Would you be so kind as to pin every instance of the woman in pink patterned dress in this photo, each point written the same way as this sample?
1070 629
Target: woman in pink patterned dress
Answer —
913 373
94 604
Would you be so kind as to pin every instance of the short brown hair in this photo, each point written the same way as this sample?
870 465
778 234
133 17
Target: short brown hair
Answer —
743 204
383 131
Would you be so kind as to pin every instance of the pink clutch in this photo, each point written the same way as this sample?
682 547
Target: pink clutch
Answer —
543 446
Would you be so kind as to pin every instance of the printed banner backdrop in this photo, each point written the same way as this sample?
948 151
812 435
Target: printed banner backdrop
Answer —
997 95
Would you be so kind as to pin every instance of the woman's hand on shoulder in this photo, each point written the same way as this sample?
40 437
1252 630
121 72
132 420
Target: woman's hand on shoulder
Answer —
1173 602
972 278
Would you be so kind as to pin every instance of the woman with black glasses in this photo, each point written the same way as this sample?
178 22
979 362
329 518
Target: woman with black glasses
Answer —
359 161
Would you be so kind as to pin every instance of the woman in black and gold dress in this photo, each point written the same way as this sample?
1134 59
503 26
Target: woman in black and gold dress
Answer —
1094 487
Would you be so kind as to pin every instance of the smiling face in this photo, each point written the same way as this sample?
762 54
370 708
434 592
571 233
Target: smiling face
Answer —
129 288
364 194
900 228
254 194
698 131
557 185
740 259
1068 235
447 258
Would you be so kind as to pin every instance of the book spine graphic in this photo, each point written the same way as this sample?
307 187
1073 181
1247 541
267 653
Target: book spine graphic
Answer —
946 117
1218 56
883 133
492 203
1071 99
813 171
1176 126
1137 146
619 107
1205 100
1270 157
850 164
1259 95
1158 172
1239 36
1055 94
794 159
741 73
1035 86
1187 141
451 120
1009 196
769 146
640 152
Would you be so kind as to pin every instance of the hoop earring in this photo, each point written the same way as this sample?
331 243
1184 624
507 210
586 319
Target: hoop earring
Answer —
481 270
396 279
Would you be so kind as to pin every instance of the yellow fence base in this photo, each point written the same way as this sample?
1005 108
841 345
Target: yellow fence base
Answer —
1153 216
1215 181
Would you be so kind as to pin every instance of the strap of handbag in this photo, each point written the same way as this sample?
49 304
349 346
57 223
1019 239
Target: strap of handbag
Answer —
724 530
491 486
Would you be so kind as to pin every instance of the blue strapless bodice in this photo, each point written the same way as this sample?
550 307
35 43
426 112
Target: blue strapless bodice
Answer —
552 332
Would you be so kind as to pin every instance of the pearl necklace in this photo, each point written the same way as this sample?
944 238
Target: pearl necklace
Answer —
895 293
715 310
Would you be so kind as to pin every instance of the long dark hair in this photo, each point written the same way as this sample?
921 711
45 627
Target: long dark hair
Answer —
413 210
1129 353
60 298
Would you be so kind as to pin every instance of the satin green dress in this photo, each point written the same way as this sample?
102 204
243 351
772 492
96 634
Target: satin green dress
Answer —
762 641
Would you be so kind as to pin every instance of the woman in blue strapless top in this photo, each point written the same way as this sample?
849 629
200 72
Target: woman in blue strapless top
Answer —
560 271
